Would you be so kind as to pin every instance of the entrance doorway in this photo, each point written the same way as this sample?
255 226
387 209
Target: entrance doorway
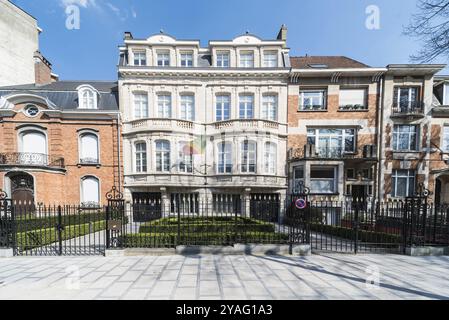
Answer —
21 187
359 193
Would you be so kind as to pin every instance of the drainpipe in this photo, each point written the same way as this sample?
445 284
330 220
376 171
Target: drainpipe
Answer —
380 136
118 153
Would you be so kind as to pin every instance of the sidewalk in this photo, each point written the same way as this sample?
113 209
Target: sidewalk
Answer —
225 277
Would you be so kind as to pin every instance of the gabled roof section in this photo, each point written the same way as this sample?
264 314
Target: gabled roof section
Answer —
326 62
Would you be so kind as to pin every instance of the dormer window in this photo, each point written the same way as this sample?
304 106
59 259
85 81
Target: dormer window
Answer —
247 59
186 59
270 59
87 97
140 58
163 59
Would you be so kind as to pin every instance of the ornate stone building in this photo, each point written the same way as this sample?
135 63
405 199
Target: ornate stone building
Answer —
204 122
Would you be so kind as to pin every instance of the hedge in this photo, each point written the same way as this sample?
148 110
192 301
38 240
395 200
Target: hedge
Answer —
207 225
43 237
161 240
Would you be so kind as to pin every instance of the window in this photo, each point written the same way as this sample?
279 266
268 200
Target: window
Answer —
164 106
163 59
323 180
141 157
445 145
140 106
403 183
248 156
312 100
225 157
223 59
140 58
223 108
33 148
87 99
163 156
270 156
186 59
247 59
246 107
353 99
331 143
31 110
405 138
298 179
270 59
185 157
446 94
270 107
89 153
90 191
187 107
406 98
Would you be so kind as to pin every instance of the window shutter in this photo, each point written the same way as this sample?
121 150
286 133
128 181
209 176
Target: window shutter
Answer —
352 97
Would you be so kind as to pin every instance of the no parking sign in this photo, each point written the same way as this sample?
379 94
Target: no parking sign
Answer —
301 204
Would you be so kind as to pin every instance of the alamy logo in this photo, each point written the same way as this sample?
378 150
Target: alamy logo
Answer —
372 21
73 20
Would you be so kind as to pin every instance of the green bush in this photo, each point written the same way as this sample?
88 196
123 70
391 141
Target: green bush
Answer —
207 225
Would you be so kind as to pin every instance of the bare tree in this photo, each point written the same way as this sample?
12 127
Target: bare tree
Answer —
431 26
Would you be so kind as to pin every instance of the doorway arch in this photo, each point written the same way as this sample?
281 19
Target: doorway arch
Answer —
21 187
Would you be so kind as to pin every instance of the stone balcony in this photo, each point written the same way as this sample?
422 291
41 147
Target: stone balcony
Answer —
248 125
157 124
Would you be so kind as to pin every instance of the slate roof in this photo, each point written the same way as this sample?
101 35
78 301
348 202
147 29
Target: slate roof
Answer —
332 62
65 96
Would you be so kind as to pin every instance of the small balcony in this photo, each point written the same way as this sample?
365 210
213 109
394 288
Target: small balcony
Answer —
159 124
311 152
25 159
408 109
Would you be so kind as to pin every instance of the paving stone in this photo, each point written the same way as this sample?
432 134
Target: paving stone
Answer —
163 288
117 289
136 294
185 294
209 288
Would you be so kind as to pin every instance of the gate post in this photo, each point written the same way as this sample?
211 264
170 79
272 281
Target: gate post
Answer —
60 230
108 235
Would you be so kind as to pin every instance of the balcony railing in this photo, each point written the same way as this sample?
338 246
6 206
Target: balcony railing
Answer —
408 108
89 161
31 159
246 124
312 152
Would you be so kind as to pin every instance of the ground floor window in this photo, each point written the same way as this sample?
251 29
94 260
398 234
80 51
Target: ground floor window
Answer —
403 183
298 179
90 191
323 180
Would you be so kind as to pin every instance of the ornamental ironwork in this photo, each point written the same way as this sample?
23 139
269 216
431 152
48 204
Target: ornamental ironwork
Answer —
31 159
114 194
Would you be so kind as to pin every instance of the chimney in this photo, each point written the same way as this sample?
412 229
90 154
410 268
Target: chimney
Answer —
282 35
128 35
42 69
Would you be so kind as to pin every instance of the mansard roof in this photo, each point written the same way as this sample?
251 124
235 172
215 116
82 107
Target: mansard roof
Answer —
326 62
63 95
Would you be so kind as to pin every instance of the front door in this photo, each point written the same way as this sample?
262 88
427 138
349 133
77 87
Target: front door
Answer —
359 193
22 188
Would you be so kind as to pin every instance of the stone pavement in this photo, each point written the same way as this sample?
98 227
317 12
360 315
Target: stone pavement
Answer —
225 277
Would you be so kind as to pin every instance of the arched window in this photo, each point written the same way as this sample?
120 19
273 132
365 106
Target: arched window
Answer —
163 156
141 157
87 97
89 150
248 156
270 157
90 191
33 148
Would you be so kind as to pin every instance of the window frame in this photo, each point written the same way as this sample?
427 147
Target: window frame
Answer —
323 97
223 106
271 53
164 106
248 157
270 158
140 114
246 106
182 59
183 156
225 158
220 61
184 105
140 54
98 181
163 62
268 107
161 156
334 179
140 157
397 135
445 144
246 63
408 176
317 136
81 135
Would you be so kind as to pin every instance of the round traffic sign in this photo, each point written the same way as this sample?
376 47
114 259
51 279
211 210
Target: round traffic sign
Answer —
301 204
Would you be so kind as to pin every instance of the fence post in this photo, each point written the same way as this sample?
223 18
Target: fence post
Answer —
404 210
356 224
179 219
108 236
60 229
13 229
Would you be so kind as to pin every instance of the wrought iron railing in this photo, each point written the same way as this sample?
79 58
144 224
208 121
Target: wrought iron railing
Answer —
89 161
408 108
31 159
312 152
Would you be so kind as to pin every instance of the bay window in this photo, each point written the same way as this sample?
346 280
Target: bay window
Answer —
298 179
445 146
323 180
187 107
185 157
270 158
141 157
140 106
406 99
164 106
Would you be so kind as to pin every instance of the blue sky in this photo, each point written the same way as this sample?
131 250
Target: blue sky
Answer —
316 27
